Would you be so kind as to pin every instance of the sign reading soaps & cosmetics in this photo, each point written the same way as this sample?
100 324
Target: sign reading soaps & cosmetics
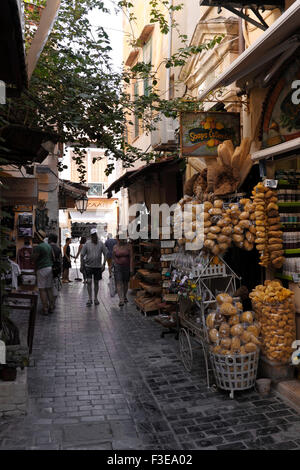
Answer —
202 132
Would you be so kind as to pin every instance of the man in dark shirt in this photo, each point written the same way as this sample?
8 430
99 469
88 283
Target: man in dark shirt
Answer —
110 243
92 252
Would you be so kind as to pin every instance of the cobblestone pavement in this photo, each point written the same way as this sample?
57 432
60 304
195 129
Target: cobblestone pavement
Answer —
103 378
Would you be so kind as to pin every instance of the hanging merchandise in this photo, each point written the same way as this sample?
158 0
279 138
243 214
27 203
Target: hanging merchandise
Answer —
226 175
269 241
275 310
230 330
224 224
25 223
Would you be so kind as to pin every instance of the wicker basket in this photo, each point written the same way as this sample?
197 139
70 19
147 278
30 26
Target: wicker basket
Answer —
237 372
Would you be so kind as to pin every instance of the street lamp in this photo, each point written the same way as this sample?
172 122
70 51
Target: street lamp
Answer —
81 204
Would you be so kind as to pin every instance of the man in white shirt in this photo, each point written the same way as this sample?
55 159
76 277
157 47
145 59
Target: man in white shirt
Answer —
92 252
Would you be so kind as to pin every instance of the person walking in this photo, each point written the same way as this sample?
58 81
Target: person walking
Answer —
57 263
92 252
82 264
43 261
66 261
110 243
123 267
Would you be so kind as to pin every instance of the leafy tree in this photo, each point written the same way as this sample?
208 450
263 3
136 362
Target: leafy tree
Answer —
75 92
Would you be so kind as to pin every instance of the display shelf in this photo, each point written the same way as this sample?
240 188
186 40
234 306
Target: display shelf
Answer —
295 277
292 227
147 307
151 289
293 251
289 204
283 276
150 245
150 274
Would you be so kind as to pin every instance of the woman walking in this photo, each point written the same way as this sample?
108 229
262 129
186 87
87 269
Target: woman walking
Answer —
66 261
123 267
82 265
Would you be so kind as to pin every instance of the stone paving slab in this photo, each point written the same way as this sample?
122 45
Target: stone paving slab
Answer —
103 378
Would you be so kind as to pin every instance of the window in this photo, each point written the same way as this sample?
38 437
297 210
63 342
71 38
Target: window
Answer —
96 189
147 59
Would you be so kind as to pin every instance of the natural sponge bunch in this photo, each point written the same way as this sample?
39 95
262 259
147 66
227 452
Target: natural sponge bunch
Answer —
274 306
230 330
269 241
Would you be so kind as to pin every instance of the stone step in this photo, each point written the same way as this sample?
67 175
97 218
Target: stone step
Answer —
290 390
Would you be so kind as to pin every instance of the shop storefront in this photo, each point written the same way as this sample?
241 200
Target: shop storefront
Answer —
250 222
158 183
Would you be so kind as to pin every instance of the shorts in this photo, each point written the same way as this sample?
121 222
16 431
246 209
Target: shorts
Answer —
121 272
44 278
93 272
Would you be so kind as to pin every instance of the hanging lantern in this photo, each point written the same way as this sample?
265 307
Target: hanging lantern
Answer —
81 204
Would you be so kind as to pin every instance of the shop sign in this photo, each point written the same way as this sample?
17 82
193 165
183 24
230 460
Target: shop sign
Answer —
202 132
281 115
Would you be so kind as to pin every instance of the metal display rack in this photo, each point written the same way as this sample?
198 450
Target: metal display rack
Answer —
210 279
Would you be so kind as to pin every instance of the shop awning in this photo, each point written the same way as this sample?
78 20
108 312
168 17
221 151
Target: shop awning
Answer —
47 20
131 176
119 183
269 45
76 189
69 192
152 167
22 145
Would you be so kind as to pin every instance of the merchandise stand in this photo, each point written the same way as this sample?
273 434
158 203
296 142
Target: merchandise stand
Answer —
210 279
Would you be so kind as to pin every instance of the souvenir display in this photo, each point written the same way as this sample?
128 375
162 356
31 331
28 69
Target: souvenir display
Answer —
269 241
230 330
275 309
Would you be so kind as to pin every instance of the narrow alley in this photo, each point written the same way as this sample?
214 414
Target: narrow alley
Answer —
103 378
